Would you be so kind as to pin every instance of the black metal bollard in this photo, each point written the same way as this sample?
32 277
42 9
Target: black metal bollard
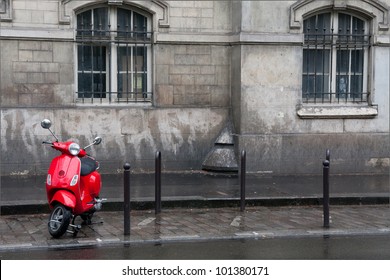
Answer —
242 180
326 192
157 192
126 198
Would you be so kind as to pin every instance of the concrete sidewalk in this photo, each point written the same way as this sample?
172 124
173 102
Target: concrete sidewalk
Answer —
199 206
24 232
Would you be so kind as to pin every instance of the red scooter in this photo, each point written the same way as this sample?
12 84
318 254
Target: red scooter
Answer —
72 185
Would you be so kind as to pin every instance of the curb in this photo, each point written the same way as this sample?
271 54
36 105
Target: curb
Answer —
33 208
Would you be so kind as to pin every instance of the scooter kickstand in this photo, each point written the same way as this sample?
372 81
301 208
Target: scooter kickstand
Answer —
76 229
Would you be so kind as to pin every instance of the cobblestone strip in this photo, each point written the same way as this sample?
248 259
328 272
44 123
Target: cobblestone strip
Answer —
28 231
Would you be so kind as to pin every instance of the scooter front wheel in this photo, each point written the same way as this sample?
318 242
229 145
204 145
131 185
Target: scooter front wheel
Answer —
59 220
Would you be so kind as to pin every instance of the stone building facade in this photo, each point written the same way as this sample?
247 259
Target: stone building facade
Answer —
289 78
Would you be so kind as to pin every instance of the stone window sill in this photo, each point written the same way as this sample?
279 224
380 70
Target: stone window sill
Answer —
337 112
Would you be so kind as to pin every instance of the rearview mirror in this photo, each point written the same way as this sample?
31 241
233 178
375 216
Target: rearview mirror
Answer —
46 124
97 140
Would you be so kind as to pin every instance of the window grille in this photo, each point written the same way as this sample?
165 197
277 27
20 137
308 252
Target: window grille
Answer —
114 56
335 59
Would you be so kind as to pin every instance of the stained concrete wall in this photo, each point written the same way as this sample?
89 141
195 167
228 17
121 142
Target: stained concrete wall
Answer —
268 59
191 107
213 61
129 135
191 84
278 139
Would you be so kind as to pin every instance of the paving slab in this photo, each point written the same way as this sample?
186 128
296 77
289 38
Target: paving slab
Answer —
176 225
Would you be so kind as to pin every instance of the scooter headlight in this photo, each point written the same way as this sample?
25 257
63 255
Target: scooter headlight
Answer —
74 149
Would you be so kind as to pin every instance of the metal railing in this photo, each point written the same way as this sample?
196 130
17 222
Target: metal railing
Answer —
335 67
113 66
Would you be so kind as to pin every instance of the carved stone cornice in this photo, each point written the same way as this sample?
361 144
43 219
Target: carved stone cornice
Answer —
158 7
372 8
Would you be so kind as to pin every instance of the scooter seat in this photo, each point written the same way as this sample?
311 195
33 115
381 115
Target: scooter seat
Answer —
88 165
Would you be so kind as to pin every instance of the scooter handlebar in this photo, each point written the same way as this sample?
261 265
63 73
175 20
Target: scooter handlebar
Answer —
47 142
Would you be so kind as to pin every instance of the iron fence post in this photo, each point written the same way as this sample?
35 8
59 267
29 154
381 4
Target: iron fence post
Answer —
126 198
158 183
242 180
326 192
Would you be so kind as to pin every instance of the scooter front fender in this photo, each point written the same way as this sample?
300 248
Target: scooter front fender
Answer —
65 198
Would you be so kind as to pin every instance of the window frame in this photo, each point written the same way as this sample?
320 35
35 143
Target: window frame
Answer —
112 43
331 44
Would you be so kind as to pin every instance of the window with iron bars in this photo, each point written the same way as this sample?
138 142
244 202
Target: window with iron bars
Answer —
113 56
335 59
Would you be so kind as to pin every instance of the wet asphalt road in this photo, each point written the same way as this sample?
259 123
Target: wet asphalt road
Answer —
351 247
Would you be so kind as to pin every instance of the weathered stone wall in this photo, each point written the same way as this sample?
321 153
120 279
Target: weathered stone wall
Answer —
200 16
192 75
129 135
268 59
191 89
212 61
36 73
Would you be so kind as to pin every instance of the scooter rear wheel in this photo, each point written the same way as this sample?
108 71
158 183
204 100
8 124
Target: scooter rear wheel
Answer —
59 220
